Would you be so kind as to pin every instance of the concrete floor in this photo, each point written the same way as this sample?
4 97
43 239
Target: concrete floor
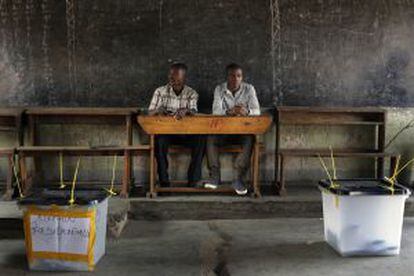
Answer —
284 246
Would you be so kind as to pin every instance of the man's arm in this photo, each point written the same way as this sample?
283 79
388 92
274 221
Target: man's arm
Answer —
218 103
253 103
155 104
192 105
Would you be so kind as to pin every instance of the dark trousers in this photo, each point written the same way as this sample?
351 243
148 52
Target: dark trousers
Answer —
197 145
241 165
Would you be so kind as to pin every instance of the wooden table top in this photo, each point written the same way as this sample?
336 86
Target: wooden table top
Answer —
82 111
205 124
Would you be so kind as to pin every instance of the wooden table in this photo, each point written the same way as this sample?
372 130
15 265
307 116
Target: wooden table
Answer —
11 120
78 115
207 125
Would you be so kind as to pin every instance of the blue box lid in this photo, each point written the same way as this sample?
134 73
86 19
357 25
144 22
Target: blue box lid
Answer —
363 186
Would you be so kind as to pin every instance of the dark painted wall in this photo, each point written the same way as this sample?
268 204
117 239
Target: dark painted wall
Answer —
114 53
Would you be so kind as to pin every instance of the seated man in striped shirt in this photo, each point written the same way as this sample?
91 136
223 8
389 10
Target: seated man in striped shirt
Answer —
232 98
178 100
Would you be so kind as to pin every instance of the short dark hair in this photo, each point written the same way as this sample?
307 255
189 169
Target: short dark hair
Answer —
179 66
232 67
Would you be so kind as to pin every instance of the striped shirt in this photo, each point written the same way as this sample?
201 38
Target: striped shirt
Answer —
165 96
224 99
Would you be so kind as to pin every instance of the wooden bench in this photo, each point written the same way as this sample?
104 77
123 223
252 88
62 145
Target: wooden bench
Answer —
85 115
285 154
38 151
11 121
313 116
223 189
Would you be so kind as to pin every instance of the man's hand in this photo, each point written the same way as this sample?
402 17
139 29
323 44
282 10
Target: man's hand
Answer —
181 113
238 110
159 111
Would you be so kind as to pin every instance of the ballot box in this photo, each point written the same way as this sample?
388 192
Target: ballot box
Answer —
64 237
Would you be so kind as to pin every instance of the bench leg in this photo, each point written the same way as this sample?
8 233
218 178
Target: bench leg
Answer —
281 186
380 167
23 174
256 156
127 159
126 176
8 194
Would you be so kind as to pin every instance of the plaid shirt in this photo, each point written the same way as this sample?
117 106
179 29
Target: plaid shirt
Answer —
165 96
224 99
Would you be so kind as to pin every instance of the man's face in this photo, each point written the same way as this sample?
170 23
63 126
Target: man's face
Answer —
234 78
176 76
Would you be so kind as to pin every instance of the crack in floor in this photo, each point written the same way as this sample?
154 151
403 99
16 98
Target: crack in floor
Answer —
214 252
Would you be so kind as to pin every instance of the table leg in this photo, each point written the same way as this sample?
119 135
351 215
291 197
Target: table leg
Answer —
152 192
256 154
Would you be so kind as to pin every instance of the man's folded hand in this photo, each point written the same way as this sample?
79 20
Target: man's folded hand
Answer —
181 113
162 111
238 110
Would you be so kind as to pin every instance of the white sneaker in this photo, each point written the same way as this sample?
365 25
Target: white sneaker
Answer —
239 187
211 185
208 184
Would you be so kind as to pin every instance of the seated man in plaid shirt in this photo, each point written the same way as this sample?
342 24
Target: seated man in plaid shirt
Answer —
178 100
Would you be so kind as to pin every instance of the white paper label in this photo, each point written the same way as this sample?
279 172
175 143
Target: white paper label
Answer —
60 234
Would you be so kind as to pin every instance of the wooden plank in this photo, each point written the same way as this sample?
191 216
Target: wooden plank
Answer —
75 150
6 151
194 190
381 146
338 154
76 119
127 175
330 118
292 151
127 158
222 149
11 111
281 185
23 174
277 147
8 122
80 148
9 182
205 124
88 111
330 109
